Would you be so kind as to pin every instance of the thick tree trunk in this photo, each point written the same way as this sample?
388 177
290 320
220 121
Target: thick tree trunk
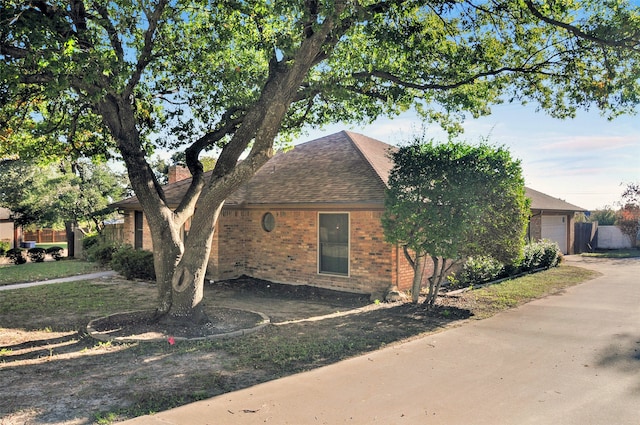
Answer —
187 282
167 252
70 229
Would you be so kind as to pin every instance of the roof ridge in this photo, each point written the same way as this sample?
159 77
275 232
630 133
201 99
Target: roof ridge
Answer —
365 155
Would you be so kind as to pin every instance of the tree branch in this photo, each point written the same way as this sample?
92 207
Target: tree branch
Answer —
228 124
407 255
45 8
470 80
302 119
78 15
106 23
13 52
42 78
629 42
263 121
147 48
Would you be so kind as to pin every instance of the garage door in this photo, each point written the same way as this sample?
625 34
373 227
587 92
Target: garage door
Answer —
554 227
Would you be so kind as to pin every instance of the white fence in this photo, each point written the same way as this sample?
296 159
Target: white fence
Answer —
611 237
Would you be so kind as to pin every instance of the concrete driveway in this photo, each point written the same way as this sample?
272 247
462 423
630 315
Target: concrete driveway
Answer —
567 359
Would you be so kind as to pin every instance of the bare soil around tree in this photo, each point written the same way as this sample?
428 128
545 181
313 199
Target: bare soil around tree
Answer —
53 372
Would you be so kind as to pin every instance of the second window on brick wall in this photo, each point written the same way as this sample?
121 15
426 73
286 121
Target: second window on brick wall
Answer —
333 243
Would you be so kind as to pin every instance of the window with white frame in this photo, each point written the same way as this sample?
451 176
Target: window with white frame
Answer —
333 243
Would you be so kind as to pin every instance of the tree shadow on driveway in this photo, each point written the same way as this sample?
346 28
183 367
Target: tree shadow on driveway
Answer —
623 355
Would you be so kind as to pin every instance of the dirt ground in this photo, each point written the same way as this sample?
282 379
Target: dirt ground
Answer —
53 377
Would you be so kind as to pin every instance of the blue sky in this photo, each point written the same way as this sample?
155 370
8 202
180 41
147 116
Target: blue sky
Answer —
584 160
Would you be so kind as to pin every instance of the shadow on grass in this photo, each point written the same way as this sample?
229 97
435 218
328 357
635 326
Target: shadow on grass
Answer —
71 376
45 348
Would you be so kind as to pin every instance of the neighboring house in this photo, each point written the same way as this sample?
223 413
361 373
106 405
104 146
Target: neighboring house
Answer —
553 219
309 216
8 232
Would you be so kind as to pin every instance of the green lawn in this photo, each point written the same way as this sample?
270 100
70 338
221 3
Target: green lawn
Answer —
31 272
62 245
614 253
511 293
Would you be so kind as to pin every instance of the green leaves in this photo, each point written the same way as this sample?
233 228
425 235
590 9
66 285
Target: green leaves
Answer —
51 195
190 63
453 200
77 77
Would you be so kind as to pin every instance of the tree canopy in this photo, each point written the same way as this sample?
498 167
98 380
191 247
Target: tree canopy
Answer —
454 200
53 195
193 69
120 78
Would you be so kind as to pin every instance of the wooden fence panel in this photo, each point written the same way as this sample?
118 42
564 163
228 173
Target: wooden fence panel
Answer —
114 232
45 236
585 239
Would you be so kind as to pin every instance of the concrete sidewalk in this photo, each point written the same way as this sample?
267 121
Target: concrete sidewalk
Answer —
88 276
567 359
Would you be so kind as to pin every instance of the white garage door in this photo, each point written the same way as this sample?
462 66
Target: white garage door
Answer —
554 227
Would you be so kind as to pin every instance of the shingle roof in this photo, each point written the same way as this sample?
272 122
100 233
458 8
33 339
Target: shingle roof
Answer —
339 168
542 201
342 168
173 193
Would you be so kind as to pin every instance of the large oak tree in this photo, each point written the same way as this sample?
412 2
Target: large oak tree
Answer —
98 78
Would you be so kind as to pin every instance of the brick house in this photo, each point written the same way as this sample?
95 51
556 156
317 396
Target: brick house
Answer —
309 216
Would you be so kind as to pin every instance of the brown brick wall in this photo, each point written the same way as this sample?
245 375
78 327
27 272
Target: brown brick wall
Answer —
129 233
403 272
289 253
128 228
571 222
535 226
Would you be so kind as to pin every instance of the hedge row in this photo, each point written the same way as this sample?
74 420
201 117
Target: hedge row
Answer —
36 255
477 270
